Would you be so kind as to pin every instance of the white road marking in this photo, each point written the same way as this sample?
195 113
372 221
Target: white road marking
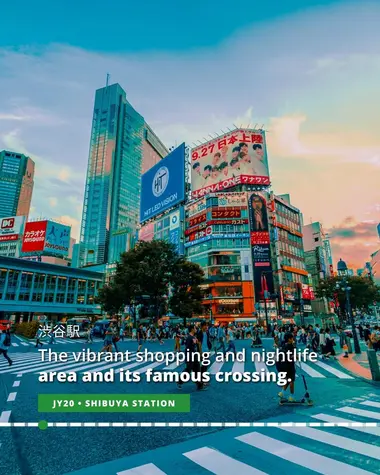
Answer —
220 464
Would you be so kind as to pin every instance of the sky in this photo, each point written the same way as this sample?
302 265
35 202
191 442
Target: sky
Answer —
309 71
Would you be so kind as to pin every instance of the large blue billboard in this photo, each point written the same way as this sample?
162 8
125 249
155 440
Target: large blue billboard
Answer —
163 186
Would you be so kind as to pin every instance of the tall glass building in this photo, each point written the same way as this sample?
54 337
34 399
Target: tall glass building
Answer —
16 184
121 146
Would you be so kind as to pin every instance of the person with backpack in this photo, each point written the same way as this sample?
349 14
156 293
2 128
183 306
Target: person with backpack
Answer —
5 343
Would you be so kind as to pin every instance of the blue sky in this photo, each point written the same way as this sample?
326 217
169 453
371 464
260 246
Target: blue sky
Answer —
137 26
310 74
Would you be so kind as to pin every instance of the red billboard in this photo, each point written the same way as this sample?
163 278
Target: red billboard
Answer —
34 236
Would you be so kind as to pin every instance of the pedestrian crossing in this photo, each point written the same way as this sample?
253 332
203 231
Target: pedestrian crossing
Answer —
57 341
24 363
283 448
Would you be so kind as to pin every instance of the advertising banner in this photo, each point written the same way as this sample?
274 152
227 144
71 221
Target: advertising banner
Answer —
57 238
306 292
231 199
163 186
146 232
175 230
239 157
226 213
261 253
34 236
11 228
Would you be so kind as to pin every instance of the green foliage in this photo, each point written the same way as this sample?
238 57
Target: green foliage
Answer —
362 294
145 274
186 292
27 329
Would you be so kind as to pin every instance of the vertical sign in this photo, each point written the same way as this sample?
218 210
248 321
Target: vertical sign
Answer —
260 246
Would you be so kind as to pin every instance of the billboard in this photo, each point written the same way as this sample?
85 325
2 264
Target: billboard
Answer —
260 246
163 186
239 157
57 238
40 236
34 236
11 228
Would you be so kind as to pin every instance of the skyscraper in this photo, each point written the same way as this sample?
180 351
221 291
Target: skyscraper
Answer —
16 184
121 146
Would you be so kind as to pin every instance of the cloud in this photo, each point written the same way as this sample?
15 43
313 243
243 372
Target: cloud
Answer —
353 241
311 78
53 202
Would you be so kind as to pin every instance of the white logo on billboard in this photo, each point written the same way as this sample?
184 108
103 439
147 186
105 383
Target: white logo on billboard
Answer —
160 181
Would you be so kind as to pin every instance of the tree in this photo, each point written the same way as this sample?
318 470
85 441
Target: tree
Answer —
186 298
143 275
362 294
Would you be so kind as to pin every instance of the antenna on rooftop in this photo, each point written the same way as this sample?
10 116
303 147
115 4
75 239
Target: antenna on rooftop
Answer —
108 79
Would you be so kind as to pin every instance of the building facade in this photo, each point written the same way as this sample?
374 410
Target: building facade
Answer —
290 273
120 139
217 238
29 289
16 183
317 260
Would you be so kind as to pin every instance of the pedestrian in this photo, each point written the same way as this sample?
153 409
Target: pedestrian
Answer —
221 336
287 365
205 345
108 340
193 358
121 334
5 343
39 335
140 337
177 340
89 335
231 341
330 343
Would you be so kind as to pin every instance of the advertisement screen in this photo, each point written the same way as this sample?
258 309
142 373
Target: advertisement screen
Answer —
11 228
260 245
34 236
57 238
239 157
163 186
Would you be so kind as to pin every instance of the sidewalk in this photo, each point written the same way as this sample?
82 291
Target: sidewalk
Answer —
357 364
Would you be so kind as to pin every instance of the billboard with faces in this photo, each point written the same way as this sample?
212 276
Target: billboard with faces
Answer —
239 157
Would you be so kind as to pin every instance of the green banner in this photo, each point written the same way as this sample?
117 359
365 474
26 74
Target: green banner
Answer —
113 403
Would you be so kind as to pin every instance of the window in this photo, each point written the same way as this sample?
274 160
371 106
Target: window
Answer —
316 239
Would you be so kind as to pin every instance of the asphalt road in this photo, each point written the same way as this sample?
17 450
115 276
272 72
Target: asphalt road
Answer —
61 450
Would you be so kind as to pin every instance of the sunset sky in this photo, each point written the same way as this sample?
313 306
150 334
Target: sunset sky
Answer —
310 74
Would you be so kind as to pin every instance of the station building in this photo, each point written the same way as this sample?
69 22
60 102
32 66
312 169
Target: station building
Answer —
30 290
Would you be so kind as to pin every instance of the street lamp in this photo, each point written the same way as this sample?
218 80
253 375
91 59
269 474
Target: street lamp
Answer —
343 285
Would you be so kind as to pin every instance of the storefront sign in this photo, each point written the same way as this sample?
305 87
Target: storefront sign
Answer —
228 221
226 213
227 270
228 301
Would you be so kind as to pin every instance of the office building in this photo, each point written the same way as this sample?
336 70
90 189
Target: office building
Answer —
290 274
122 145
317 260
16 183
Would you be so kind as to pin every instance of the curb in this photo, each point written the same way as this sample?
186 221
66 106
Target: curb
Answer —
352 362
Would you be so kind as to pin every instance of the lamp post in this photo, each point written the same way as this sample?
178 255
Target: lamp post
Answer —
343 272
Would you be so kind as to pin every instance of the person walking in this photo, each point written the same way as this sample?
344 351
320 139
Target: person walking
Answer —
108 340
221 336
39 335
140 337
231 341
287 366
5 343
193 358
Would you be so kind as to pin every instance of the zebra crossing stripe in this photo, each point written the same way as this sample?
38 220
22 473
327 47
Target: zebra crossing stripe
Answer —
298 456
332 370
148 469
216 367
238 367
261 366
310 371
371 403
360 412
359 427
15 344
336 440
219 463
